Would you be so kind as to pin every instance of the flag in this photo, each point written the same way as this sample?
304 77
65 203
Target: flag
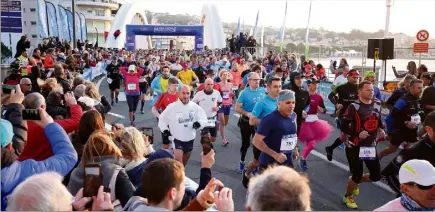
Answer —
256 23
64 23
52 20
282 30
307 42
238 27
42 18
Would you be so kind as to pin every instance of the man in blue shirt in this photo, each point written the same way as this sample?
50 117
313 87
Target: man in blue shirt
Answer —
262 108
244 106
276 135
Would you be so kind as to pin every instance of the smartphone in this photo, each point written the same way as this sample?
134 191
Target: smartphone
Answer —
207 146
7 89
31 114
149 132
93 180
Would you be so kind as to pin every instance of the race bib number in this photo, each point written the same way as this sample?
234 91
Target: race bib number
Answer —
131 86
109 80
288 143
416 119
367 153
211 122
226 96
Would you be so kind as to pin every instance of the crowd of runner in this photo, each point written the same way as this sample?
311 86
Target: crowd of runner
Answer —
57 154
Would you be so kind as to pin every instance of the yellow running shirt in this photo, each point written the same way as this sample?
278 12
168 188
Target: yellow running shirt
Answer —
186 77
164 84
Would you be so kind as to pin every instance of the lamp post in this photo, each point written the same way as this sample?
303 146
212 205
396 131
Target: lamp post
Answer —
74 23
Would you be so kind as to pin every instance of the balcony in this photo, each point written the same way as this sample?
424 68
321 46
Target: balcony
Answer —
101 3
98 17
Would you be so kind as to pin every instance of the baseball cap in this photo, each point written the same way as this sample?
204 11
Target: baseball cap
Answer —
353 73
369 74
6 132
312 80
132 68
420 172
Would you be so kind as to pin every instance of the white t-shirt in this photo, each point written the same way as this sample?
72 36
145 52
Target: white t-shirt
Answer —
207 102
180 118
176 67
340 80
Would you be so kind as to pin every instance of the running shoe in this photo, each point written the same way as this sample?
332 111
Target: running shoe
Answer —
141 111
132 124
245 179
329 153
350 203
255 171
112 103
134 118
303 164
225 142
116 100
241 166
355 191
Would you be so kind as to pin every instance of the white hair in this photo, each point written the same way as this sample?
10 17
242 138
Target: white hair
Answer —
34 101
279 189
41 192
79 91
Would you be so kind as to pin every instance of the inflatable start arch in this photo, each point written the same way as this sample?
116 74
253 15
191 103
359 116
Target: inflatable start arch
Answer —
164 30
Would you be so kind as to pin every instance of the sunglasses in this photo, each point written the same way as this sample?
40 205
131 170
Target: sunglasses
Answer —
421 187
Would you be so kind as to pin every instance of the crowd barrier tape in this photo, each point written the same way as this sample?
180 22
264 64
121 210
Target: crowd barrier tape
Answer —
93 72
325 88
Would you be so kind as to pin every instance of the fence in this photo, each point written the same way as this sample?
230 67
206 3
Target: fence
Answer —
93 72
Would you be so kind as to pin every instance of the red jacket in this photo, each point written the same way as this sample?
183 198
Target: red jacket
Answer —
48 62
37 147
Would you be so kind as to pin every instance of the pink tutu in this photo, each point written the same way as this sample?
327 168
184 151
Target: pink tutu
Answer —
318 130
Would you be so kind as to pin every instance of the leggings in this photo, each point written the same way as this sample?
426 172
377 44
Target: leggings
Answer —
308 147
247 132
132 101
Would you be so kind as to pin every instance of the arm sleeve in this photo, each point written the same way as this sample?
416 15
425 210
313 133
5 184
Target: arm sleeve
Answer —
204 178
158 103
72 123
397 109
348 118
64 155
123 188
163 119
13 114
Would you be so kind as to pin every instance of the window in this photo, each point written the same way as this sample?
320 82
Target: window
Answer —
32 10
89 11
99 12
33 22
34 36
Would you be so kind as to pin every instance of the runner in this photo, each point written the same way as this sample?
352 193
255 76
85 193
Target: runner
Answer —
313 130
227 101
342 97
301 96
244 106
144 82
114 78
209 100
187 76
160 83
132 89
263 107
164 100
276 136
406 114
181 119
360 123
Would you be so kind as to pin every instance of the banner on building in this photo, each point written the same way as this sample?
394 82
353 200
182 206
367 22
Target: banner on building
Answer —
53 29
42 19
63 23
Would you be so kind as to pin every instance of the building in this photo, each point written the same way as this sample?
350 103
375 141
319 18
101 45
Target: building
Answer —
98 14
30 22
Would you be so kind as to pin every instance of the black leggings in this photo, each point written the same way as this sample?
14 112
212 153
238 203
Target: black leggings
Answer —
132 101
247 132
374 167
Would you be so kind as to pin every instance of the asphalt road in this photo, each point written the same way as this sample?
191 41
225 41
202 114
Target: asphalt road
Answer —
327 179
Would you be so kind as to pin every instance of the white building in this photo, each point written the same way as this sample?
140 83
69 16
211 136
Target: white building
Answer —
30 22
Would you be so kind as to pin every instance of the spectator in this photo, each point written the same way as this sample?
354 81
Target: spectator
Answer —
14 172
100 149
279 189
22 45
55 107
59 74
135 147
417 180
26 85
79 91
101 103
37 146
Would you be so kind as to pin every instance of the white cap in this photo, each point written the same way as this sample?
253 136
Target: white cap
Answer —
132 68
420 172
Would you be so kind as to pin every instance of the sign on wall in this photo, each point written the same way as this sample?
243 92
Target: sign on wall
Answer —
11 16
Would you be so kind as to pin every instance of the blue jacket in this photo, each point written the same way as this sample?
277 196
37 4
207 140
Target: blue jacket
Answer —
63 160
155 86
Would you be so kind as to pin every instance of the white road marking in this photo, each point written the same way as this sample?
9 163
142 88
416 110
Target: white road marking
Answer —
340 165
116 115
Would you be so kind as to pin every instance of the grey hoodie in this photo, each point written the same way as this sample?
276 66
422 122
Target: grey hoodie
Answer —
136 203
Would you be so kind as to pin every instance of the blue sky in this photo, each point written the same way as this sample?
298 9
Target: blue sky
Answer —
407 16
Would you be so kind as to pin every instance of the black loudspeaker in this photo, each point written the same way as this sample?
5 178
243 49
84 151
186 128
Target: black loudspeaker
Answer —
384 46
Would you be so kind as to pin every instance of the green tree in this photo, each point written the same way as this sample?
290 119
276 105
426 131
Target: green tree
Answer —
6 52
